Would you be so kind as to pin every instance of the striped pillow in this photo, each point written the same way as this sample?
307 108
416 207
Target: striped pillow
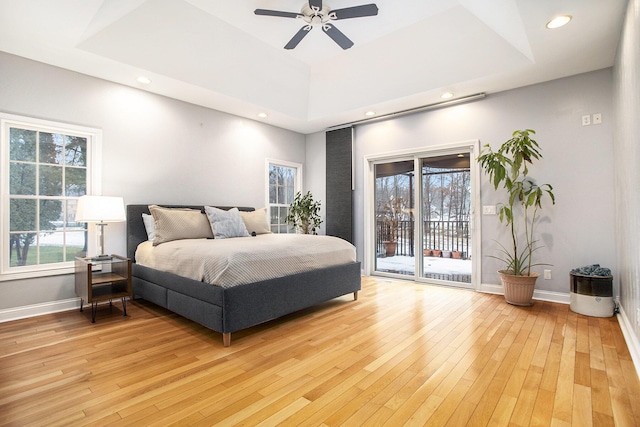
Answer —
179 223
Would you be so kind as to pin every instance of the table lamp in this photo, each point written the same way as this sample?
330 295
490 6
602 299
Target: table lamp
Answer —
100 209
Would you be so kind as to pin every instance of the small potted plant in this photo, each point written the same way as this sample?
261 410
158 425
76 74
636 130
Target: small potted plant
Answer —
508 170
304 214
392 214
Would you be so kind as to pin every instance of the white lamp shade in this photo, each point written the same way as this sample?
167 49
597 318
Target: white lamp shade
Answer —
100 209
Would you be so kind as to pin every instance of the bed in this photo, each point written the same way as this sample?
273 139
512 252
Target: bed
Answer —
230 309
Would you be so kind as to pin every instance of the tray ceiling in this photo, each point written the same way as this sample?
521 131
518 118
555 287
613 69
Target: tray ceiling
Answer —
220 55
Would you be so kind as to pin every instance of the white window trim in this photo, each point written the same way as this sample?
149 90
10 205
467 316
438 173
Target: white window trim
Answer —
268 163
369 161
94 186
298 180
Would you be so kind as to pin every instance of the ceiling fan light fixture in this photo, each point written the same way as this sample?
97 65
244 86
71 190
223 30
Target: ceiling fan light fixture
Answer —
559 21
316 13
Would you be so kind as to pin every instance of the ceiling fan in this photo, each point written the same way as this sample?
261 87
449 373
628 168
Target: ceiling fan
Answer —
315 13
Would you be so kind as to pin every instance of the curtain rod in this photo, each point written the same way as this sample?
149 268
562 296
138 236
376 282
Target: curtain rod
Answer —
411 111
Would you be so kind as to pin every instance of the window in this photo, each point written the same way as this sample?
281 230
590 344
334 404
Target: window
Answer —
284 183
46 168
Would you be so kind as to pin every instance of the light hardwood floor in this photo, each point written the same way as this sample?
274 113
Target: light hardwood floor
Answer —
403 354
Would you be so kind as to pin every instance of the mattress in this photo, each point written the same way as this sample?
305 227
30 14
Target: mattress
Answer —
242 260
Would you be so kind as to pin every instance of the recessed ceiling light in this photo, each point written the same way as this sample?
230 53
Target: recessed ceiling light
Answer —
558 21
446 95
144 80
370 113
263 115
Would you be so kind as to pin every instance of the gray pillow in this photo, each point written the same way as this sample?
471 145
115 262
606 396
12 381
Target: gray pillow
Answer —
226 224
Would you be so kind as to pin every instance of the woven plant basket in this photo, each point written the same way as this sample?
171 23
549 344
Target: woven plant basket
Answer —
518 290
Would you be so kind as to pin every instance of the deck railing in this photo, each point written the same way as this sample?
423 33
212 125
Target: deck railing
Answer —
437 235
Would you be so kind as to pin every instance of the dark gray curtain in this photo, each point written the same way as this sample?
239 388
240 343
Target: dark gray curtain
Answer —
339 204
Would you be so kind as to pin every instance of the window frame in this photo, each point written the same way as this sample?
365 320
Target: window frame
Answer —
93 186
297 183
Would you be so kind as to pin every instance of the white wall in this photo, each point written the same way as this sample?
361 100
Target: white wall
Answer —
627 173
155 150
578 162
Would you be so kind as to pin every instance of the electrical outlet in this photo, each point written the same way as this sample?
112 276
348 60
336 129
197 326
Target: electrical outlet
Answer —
547 275
597 118
586 120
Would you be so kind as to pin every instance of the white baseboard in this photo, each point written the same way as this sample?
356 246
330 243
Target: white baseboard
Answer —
539 294
491 289
552 296
26 311
632 340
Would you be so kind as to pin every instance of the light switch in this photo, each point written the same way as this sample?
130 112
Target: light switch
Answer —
489 210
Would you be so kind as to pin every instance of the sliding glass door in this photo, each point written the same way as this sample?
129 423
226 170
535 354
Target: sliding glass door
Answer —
423 217
394 225
446 215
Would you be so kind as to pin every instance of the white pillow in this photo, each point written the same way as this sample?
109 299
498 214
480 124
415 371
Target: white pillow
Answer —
149 225
256 221
226 224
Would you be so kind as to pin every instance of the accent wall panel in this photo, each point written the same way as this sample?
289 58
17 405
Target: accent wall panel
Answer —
339 204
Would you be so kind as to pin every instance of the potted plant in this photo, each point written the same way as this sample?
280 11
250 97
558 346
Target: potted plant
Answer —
392 214
508 170
304 214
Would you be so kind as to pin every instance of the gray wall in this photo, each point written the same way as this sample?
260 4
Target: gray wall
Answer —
627 173
155 149
578 162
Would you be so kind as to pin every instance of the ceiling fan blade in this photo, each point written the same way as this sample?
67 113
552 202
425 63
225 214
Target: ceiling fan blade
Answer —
315 3
337 36
267 12
355 12
298 37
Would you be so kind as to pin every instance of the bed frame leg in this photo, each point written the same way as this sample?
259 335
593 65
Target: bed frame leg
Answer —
226 339
355 296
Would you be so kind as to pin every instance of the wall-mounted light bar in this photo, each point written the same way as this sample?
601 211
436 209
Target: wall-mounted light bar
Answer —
428 107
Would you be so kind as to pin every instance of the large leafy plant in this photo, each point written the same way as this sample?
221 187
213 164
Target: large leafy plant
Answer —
304 213
508 169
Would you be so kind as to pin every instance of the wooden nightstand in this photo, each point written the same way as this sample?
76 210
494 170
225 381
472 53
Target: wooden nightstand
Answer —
103 280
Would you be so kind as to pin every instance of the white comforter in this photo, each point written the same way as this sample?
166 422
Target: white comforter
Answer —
241 260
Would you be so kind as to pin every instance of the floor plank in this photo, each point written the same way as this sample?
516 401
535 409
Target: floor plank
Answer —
403 354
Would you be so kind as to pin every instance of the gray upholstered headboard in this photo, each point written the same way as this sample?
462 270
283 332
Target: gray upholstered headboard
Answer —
136 232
